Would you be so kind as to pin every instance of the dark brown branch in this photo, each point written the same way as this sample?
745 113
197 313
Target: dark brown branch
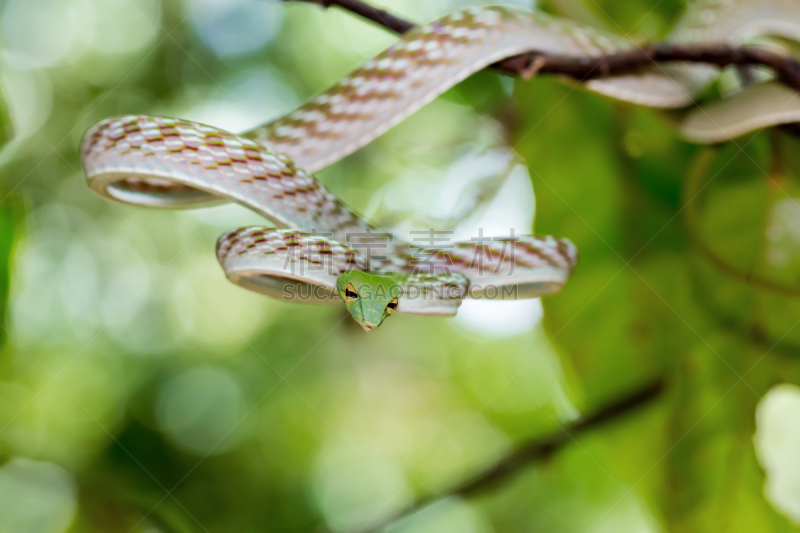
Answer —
587 67
362 9
536 450
582 68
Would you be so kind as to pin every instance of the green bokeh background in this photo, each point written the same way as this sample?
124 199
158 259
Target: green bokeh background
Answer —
141 392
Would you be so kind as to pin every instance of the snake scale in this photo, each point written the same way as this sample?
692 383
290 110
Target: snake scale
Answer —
330 255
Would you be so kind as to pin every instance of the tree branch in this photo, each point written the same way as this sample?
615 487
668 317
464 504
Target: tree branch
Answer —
537 450
362 9
584 68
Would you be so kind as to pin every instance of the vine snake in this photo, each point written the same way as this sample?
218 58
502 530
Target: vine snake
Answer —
330 255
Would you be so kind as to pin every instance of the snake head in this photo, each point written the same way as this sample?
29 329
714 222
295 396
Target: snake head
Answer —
369 297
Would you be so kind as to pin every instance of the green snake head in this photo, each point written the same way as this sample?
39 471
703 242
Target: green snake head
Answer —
369 297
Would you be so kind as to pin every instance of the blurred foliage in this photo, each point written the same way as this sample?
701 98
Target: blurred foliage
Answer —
141 392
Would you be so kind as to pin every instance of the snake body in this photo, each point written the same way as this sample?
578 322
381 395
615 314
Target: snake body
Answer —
280 263
754 107
162 162
267 259
153 161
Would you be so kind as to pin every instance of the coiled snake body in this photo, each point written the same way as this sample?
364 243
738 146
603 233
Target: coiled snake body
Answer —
329 253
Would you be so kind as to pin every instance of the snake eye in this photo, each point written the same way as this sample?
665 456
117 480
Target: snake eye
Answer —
350 294
391 307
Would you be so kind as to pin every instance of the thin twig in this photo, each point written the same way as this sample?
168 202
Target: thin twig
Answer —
537 450
587 67
362 9
692 187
